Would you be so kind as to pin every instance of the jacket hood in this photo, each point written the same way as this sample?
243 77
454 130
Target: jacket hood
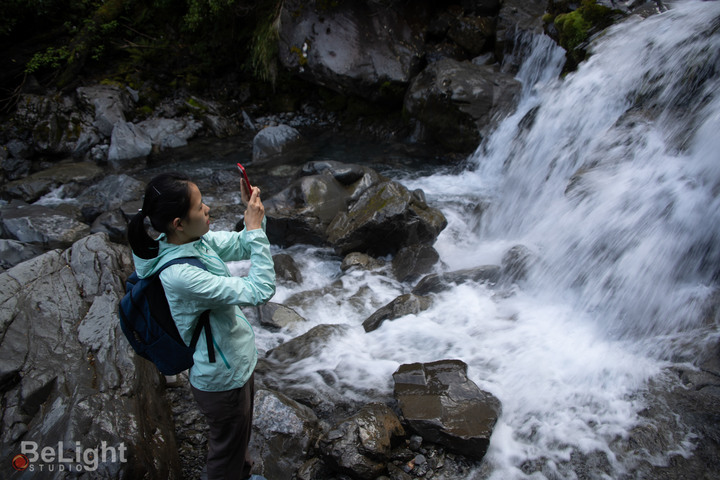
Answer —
168 251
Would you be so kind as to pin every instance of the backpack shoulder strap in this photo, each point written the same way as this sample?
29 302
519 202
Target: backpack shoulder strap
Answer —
204 321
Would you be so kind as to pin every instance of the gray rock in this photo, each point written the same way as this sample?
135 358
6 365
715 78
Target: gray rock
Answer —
360 446
32 187
13 252
284 432
517 20
169 132
354 48
277 316
436 283
128 142
286 268
53 121
302 212
40 225
403 305
360 260
67 373
385 218
272 141
413 261
108 103
441 404
305 345
112 192
456 100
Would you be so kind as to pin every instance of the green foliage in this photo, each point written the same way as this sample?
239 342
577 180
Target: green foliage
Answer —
50 58
201 11
264 50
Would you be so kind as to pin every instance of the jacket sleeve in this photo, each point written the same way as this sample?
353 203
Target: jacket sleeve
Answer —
232 246
207 290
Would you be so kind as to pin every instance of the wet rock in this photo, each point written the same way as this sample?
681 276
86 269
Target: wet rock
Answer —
385 218
352 208
439 282
360 446
169 132
415 260
277 316
281 370
274 140
32 187
284 431
12 167
474 34
286 268
113 223
53 122
441 404
13 252
517 20
112 192
360 260
127 143
67 373
456 100
302 212
305 345
355 48
108 103
40 225
403 305
515 263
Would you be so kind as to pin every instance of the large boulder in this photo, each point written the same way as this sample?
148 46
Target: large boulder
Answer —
284 431
68 378
53 122
40 225
386 218
441 404
360 446
456 100
108 104
274 140
355 48
352 208
32 187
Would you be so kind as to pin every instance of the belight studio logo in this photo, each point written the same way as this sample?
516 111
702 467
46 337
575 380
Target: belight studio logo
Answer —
20 462
64 458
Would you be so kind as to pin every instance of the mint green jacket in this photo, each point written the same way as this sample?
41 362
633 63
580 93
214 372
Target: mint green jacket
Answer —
191 290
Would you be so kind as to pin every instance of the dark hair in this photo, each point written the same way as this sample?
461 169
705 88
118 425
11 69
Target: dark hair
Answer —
167 197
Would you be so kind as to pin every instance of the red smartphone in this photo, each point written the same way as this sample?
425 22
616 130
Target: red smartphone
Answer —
245 177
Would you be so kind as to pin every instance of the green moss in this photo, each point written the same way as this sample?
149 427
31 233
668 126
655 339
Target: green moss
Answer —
575 28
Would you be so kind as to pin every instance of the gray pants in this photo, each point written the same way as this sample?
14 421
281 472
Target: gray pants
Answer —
229 415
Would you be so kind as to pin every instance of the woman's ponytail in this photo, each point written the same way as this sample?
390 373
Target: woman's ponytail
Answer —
142 244
167 197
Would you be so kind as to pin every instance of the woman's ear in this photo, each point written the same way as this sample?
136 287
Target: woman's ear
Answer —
177 224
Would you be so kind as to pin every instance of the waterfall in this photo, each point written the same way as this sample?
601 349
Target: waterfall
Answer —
610 178
611 175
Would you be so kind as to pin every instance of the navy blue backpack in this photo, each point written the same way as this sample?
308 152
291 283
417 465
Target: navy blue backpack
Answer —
146 321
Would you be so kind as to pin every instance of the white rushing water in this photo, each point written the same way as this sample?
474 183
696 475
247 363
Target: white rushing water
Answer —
609 177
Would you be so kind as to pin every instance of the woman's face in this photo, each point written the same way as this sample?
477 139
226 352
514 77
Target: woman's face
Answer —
197 221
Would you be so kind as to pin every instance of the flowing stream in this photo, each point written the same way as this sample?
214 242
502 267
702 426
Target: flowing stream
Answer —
609 178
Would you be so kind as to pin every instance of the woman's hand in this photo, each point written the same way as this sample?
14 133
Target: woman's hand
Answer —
255 210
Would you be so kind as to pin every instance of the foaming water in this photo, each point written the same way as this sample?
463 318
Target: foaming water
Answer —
610 178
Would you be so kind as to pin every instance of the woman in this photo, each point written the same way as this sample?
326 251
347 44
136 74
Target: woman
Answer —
224 389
